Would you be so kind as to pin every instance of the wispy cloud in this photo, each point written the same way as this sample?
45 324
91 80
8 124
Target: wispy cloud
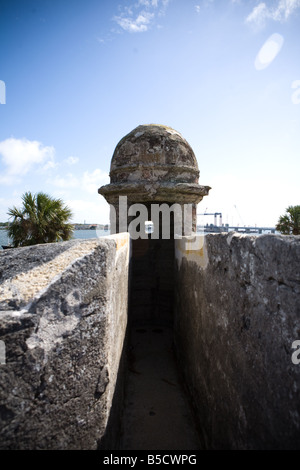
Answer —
89 211
88 182
138 17
280 12
71 160
64 182
203 5
80 191
21 155
258 15
138 25
92 181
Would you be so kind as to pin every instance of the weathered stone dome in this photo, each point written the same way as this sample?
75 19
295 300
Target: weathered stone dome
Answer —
153 153
154 163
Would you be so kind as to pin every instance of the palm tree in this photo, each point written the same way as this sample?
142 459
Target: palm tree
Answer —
290 222
42 219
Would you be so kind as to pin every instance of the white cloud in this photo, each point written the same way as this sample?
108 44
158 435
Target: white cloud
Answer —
72 160
138 17
96 212
148 3
5 203
280 12
285 9
81 195
88 182
204 4
138 25
258 14
91 182
21 155
49 165
69 181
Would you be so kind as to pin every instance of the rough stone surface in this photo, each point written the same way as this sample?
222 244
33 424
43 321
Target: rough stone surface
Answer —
64 341
35 269
237 315
14 262
154 163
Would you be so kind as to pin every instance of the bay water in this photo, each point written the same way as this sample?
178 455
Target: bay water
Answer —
77 234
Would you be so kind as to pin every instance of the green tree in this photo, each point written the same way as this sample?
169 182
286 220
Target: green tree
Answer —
41 219
289 223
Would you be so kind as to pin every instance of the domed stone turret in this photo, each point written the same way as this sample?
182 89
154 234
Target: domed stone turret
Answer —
153 153
154 163
153 183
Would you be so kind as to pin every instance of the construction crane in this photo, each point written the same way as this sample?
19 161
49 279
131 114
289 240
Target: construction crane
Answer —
215 216
239 215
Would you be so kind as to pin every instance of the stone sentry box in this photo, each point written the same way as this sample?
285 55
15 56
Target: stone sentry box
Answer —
153 165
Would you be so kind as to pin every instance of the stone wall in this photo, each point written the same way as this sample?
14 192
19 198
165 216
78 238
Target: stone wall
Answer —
63 317
237 313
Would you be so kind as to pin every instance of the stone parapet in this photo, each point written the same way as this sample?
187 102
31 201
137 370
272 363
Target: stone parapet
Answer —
237 310
63 321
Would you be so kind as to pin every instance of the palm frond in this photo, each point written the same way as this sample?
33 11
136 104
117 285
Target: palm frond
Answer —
41 219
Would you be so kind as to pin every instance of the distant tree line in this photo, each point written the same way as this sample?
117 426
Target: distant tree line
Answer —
43 219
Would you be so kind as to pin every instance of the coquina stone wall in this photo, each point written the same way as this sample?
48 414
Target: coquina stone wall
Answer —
237 314
63 317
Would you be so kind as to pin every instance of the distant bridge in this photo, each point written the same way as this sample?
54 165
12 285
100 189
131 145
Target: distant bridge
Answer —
227 228
214 228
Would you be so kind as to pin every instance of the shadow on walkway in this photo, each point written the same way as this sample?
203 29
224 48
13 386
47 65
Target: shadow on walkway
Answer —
157 414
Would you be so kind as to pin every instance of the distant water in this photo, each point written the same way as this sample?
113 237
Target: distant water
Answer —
3 238
77 234
86 234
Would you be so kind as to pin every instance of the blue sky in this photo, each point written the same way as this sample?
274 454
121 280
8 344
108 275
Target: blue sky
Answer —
76 76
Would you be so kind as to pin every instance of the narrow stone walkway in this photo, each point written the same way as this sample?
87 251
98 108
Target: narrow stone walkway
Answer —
157 415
